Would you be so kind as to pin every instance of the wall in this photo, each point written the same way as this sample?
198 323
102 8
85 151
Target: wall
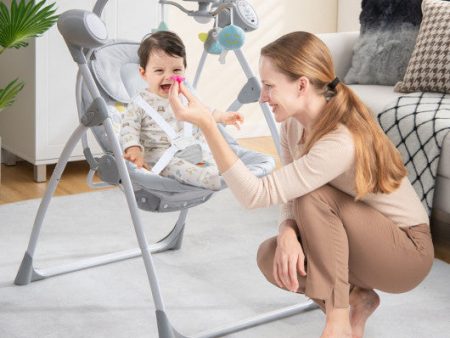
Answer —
348 15
219 84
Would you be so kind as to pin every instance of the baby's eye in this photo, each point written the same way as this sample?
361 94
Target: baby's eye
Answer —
177 71
268 86
158 70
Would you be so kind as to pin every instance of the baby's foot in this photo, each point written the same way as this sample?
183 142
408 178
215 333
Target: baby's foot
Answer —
363 303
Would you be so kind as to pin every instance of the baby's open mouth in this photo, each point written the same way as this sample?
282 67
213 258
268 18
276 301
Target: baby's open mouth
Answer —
165 87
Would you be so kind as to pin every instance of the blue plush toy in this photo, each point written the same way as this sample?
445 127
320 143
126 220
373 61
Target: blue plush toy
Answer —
231 37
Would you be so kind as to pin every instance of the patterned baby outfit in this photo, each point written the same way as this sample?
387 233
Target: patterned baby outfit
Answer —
193 165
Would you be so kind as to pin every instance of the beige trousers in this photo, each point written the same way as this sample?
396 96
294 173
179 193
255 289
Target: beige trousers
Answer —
348 243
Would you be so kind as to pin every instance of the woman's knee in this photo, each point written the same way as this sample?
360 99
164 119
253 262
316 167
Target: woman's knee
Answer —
265 257
325 195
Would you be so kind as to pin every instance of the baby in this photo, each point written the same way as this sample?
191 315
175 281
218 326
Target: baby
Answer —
162 58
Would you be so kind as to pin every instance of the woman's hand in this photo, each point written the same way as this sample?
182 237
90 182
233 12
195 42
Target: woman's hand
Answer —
289 258
195 112
134 154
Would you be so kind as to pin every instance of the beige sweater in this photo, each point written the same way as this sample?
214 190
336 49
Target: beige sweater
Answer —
329 161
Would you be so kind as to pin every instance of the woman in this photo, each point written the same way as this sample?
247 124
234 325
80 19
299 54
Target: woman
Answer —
350 220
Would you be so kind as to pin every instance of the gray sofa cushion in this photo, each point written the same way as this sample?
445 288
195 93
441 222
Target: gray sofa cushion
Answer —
381 56
388 33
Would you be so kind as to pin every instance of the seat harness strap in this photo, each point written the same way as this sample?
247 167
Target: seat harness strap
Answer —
178 142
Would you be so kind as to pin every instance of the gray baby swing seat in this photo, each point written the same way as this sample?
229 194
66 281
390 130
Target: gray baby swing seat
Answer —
107 79
114 67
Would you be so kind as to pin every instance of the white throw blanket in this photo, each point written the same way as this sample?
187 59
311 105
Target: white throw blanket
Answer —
417 124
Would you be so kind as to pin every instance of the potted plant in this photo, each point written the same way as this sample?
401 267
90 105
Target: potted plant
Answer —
23 20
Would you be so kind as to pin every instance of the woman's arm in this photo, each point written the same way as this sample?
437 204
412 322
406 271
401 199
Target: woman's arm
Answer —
286 212
327 159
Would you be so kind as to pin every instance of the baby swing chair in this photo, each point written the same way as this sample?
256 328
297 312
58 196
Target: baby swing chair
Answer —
107 76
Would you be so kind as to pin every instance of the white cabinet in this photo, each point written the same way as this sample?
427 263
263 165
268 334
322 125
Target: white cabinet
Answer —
44 115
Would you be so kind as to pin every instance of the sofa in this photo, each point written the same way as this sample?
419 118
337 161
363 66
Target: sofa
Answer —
376 98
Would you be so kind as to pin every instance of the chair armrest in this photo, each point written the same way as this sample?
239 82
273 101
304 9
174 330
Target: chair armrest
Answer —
341 48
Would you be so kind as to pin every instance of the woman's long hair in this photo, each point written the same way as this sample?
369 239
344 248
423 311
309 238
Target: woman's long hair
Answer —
378 164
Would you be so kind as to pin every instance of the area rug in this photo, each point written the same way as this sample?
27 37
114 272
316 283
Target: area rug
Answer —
211 281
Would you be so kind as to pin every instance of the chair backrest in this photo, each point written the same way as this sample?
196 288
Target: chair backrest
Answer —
115 69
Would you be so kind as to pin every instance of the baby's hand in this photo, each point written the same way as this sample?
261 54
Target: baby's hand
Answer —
232 118
135 155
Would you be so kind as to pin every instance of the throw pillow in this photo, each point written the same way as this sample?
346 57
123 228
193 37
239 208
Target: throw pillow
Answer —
388 33
429 67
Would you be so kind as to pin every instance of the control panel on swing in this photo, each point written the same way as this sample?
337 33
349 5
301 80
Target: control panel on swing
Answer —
246 13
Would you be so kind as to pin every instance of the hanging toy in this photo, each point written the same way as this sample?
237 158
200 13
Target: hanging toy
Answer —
203 36
230 37
210 43
162 25
212 46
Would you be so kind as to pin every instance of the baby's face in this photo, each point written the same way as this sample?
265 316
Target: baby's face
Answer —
160 67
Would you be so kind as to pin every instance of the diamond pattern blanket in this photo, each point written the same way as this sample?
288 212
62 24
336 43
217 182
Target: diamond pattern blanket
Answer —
417 124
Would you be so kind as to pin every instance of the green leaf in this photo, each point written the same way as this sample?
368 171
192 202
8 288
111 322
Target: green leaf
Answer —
8 95
25 19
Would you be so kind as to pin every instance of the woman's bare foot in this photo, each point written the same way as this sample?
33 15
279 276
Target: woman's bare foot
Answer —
337 324
363 303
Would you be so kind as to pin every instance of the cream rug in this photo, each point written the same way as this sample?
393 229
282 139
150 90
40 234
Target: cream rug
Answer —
213 280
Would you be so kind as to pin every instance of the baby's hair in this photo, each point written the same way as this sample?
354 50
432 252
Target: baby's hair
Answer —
168 42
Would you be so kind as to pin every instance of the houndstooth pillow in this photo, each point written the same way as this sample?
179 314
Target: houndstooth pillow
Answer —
429 67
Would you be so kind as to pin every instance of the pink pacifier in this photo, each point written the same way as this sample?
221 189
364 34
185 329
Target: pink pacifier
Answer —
177 78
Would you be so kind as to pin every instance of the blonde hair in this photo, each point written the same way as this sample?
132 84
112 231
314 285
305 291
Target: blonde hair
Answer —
378 165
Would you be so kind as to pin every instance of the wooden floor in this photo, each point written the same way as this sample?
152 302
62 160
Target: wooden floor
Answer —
17 182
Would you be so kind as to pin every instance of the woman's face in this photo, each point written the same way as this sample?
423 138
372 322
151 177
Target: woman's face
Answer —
281 93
